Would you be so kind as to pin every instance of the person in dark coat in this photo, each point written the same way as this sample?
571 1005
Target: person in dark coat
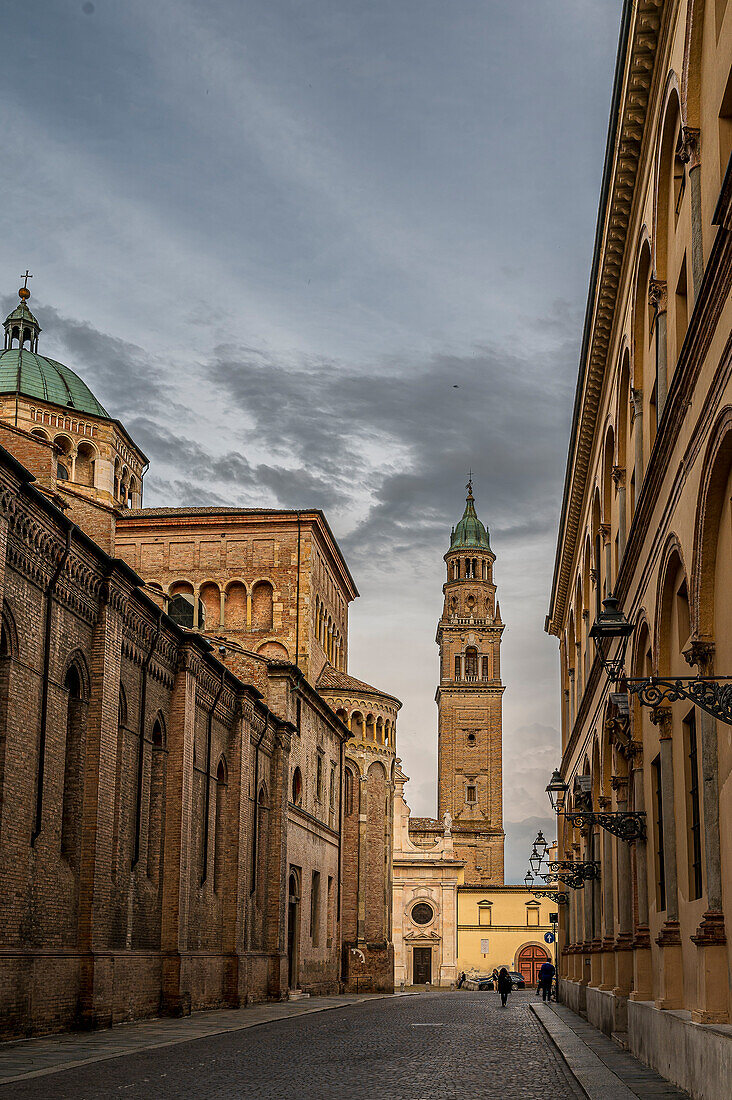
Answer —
546 978
461 980
505 985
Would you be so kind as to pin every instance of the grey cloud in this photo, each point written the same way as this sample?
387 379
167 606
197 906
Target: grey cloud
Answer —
123 376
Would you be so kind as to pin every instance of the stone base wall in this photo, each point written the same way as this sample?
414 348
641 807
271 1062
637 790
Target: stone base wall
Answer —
695 1057
368 968
41 992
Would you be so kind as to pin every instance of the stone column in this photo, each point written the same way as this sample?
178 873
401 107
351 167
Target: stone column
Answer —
596 887
624 938
97 832
642 963
222 607
249 609
637 399
710 938
619 479
608 905
176 996
605 532
572 700
688 152
671 993
657 296
586 973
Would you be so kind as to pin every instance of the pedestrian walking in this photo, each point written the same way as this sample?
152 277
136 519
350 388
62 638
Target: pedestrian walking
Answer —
461 980
494 975
546 980
505 985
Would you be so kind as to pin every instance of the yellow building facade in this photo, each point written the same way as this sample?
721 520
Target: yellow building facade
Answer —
503 926
647 516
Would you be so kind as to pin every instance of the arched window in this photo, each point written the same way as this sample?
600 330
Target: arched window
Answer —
349 792
72 790
297 787
85 465
471 663
219 824
157 802
262 606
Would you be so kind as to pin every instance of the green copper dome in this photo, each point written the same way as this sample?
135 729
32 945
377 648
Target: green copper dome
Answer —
470 533
24 371
33 375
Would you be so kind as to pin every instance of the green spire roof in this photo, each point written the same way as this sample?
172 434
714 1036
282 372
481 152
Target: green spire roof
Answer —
470 533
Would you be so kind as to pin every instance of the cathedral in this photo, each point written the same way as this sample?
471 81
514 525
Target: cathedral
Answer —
452 910
196 796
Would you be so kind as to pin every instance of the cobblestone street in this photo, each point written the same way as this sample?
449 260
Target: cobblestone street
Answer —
426 1047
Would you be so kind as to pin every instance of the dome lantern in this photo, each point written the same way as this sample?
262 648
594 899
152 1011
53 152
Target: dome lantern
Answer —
21 327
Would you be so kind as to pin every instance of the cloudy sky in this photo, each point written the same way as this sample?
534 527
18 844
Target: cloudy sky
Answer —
331 253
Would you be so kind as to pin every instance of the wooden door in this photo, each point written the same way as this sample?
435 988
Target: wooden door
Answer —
422 970
529 963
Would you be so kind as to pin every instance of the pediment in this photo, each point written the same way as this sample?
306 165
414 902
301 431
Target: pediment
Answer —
422 937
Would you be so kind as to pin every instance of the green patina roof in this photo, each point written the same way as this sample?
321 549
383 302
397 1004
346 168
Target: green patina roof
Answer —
22 313
470 532
33 375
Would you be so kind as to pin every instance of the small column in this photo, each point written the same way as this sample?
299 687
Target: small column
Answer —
671 994
688 153
657 297
710 937
637 399
642 962
249 609
618 476
196 618
222 607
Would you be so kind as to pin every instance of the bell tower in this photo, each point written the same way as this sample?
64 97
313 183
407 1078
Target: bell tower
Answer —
469 702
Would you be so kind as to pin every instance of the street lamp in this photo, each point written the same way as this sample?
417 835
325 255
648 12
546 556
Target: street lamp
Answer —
711 694
557 791
528 880
609 627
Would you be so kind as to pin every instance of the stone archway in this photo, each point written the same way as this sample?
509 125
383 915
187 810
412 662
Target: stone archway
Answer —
528 961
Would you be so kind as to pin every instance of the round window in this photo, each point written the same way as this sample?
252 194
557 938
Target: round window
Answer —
422 913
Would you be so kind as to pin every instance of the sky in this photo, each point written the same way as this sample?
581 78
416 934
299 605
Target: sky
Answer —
333 254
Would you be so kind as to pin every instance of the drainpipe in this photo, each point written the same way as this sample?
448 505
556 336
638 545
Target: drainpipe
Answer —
255 822
297 605
207 802
47 623
141 729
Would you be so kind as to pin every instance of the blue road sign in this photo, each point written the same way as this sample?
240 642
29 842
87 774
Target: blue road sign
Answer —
548 937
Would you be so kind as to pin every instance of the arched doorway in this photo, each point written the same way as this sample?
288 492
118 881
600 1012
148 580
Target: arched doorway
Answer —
293 923
529 961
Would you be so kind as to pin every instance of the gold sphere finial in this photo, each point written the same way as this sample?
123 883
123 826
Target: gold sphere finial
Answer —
24 293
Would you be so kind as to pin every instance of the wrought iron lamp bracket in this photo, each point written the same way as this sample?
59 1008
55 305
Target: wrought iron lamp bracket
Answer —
561 897
627 826
711 694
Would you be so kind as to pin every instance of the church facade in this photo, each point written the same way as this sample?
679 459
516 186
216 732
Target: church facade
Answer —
452 911
174 793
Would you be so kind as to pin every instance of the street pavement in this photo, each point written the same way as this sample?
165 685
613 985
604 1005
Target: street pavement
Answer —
433 1046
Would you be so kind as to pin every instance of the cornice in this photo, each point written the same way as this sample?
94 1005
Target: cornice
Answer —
634 77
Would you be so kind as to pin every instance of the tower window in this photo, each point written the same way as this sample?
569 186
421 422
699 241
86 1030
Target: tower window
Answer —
470 794
457 666
471 663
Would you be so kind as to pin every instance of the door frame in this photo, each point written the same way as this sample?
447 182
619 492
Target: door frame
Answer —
422 947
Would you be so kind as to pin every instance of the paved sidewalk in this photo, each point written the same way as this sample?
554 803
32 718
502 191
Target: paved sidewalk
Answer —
26 1058
604 1070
